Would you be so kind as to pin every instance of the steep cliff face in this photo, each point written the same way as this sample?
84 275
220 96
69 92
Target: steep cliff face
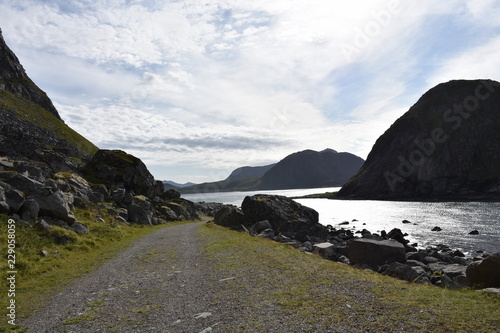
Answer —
30 127
446 147
13 78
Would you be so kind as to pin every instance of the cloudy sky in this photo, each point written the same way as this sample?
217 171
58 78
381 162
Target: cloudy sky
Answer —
197 88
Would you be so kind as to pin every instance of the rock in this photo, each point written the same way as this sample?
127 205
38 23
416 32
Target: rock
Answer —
43 225
474 232
13 199
397 235
492 290
230 217
79 228
423 156
166 213
451 270
260 226
170 194
21 182
140 211
267 233
4 207
344 223
285 215
373 252
436 229
44 253
402 272
29 211
406 222
485 273
184 209
55 204
112 167
209 208
325 250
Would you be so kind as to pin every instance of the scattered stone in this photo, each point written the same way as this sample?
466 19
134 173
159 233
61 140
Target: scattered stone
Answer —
202 315
474 232
406 222
44 253
436 229
79 228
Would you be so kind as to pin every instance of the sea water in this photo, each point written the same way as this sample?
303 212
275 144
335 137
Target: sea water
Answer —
456 219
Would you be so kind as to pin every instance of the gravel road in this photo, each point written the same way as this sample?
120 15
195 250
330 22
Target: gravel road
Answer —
160 284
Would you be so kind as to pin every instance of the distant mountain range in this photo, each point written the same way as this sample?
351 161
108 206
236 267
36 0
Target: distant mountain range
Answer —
305 169
170 184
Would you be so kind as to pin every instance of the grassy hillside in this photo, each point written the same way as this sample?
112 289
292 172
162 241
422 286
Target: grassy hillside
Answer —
34 115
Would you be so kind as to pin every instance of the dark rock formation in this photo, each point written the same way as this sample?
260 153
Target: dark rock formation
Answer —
285 215
31 130
112 167
446 147
230 217
485 273
375 252
13 78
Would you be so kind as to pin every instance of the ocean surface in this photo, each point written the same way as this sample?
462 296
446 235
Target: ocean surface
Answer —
456 219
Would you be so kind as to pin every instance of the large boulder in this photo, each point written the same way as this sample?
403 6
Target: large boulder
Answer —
376 252
284 214
55 204
231 217
115 167
140 211
486 273
10 198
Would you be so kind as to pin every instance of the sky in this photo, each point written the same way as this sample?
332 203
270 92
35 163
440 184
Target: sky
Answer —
199 88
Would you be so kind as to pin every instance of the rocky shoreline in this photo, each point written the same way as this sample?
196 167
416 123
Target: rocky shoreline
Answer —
389 253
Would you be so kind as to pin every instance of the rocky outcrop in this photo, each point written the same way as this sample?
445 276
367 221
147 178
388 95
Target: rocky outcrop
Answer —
13 78
446 147
285 215
113 167
485 273
32 133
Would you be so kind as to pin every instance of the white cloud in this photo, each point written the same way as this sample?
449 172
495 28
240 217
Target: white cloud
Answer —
224 82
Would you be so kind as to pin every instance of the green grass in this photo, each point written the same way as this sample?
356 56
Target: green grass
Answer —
306 288
38 116
40 277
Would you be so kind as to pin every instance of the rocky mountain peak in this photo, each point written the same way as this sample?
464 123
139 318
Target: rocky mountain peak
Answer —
445 147
13 78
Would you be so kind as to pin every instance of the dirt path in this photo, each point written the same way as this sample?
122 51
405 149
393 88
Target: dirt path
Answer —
159 284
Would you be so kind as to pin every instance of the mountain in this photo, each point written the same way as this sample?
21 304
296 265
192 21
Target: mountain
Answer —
309 169
305 169
445 147
249 172
169 183
30 126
